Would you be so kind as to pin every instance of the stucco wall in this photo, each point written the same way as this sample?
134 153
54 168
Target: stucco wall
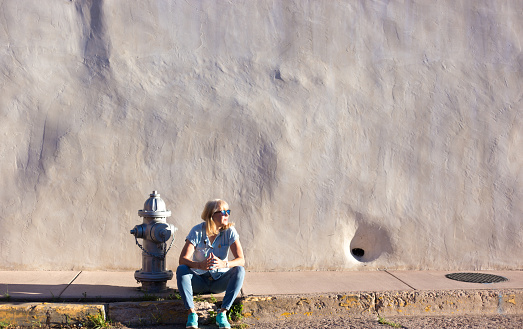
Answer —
391 126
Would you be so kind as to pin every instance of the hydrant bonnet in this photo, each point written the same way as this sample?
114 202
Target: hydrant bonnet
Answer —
154 207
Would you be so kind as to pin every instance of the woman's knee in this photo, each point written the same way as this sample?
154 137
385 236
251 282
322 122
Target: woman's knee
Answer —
239 271
183 270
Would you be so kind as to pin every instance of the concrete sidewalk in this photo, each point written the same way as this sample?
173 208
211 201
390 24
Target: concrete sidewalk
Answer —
271 293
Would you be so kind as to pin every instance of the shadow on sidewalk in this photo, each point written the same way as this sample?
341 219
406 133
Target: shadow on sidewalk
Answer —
78 293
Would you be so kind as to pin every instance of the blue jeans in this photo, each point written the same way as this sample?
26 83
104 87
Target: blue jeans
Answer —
189 283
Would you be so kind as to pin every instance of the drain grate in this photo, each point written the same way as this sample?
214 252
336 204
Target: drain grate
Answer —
476 277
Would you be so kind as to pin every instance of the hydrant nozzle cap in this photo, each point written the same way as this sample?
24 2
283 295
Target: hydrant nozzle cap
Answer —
154 207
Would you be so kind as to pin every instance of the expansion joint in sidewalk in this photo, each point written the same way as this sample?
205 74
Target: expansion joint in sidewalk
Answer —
71 282
411 287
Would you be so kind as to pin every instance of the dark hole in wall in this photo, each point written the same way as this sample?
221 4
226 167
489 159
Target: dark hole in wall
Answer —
358 252
370 241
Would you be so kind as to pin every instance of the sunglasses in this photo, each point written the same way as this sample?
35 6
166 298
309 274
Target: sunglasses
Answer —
224 212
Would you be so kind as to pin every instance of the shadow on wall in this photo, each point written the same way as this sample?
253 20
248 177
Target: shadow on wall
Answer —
370 241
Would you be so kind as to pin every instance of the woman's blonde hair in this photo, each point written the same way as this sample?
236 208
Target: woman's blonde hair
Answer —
210 208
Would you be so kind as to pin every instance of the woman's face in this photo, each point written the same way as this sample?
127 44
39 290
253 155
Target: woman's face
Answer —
220 219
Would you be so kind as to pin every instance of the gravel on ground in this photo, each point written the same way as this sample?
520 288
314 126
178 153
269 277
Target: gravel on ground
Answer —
415 322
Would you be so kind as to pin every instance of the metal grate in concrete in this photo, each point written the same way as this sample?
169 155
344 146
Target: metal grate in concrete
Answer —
476 277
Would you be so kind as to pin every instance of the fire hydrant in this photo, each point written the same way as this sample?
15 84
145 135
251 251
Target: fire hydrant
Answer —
155 232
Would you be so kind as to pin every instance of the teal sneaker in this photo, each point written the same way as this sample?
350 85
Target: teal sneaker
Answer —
192 321
221 320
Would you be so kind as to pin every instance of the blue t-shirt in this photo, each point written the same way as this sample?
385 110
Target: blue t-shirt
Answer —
203 247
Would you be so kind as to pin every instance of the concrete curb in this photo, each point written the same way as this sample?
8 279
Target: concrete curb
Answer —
134 313
50 314
157 313
274 308
388 303
457 302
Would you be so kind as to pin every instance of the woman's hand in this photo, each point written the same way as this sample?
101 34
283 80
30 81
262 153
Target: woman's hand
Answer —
214 263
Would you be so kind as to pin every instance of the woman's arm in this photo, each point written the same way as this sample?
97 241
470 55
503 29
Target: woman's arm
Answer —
186 257
237 252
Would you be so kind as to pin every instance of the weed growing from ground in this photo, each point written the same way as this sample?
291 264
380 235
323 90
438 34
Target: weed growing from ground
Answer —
382 320
198 298
175 296
6 296
212 316
97 321
236 312
5 325
150 297
240 326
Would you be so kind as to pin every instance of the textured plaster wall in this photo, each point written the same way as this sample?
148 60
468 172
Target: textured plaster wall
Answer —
394 127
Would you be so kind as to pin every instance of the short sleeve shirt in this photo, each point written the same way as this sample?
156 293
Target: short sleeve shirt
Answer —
203 247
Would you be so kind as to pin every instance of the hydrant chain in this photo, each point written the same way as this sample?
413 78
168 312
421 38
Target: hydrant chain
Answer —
152 255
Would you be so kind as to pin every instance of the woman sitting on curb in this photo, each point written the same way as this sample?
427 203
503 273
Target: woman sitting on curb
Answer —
204 266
